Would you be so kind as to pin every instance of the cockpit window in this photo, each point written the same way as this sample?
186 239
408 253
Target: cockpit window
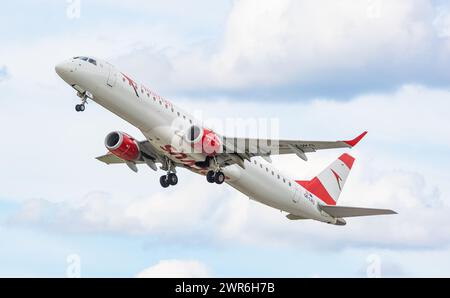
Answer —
90 60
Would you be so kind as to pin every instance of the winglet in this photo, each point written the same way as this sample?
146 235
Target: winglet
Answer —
352 143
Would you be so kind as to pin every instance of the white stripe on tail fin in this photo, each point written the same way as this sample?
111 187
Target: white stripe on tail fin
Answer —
327 186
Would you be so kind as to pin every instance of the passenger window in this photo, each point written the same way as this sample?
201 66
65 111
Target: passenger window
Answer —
290 184
278 176
178 113
284 180
190 121
267 170
260 165
173 110
255 162
84 58
184 117
273 173
92 61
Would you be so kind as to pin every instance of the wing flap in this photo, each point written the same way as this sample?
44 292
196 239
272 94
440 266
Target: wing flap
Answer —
341 212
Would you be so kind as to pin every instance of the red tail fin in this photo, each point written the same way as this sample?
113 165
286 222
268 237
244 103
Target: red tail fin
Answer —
327 186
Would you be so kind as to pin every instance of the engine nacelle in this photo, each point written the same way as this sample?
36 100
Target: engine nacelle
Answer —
203 140
123 146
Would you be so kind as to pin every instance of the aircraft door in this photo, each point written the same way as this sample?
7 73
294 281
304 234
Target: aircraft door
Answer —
112 77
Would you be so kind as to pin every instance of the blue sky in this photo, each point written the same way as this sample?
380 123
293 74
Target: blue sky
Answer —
324 70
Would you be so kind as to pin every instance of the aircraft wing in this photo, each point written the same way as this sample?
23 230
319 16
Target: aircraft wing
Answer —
247 148
110 158
236 150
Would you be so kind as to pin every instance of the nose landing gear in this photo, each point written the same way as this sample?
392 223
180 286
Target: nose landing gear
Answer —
84 97
80 108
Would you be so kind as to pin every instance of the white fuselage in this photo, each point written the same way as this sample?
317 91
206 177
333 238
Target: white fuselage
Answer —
161 122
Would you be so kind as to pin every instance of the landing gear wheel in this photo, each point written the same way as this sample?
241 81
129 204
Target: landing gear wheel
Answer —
80 108
210 177
164 181
219 178
172 179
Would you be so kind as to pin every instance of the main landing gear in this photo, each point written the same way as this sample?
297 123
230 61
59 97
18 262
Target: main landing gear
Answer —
170 179
215 177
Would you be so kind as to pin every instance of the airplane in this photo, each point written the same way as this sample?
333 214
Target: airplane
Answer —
175 139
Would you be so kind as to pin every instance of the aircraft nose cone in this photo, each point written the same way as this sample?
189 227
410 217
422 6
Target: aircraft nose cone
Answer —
58 69
62 69
65 71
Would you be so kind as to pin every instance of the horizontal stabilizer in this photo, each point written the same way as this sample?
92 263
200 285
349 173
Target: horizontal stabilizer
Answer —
340 212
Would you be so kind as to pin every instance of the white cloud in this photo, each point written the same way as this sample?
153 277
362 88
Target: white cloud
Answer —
305 40
321 46
97 42
176 269
183 212
318 47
